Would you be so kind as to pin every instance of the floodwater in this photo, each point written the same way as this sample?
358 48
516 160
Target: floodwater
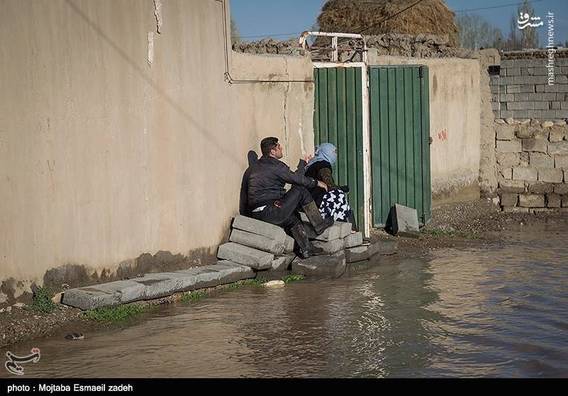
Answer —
497 311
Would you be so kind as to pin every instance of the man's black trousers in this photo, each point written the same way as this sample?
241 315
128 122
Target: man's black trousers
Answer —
284 212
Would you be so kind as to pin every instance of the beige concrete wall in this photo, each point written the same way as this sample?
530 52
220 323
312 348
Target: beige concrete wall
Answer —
454 124
108 152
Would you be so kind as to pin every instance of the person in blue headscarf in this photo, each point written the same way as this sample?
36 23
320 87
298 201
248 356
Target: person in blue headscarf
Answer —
333 202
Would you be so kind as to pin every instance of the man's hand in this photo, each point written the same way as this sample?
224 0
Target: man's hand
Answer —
322 185
308 157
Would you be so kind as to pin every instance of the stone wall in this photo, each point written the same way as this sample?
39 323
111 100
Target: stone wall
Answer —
420 46
532 164
521 88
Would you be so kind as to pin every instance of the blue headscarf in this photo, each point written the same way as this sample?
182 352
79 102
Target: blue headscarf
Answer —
324 152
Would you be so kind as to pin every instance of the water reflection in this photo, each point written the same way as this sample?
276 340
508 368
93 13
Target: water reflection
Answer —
498 311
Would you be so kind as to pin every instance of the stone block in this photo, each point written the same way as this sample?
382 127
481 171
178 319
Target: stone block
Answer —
540 160
505 132
547 124
288 244
538 145
557 134
330 247
382 248
509 199
356 254
353 240
524 159
103 295
565 201
558 148
540 188
403 221
345 229
512 186
256 241
282 263
531 201
512 146
256 259
258 227
515 210
526 131
553 201
551 175
507 173
526 174
561 189
333 266
508 159
165 284
543 210
223 272
330 234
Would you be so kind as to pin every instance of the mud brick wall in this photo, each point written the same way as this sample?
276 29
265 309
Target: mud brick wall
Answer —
532 165
520 88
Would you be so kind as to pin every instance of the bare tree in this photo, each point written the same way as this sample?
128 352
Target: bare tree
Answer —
476 33
235 35
522 38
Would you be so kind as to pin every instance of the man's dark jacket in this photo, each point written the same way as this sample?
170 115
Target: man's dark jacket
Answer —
264 181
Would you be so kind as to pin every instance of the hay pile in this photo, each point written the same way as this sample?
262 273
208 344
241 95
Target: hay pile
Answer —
353 16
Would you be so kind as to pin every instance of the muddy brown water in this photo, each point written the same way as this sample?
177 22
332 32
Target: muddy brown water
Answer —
497 311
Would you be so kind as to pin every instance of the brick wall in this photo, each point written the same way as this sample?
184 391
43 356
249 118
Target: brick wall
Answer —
532 165
521 90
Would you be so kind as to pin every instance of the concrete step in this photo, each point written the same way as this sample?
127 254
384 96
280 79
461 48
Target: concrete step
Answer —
330 247
254 258
256 241
353 240
152 286
320 266
366 252
258 227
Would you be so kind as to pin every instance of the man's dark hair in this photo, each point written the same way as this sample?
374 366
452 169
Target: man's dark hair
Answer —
268 144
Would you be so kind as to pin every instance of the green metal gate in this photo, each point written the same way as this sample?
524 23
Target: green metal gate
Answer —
338 120
400 140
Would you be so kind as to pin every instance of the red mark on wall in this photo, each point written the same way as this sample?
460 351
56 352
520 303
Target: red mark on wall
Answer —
443 135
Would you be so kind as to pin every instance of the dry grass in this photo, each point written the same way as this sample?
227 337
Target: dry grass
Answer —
352 16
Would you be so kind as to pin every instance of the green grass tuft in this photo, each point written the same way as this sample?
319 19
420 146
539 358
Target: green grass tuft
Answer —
293 278
193 296
116 314
42 301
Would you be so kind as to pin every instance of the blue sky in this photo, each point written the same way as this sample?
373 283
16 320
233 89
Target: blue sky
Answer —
278 18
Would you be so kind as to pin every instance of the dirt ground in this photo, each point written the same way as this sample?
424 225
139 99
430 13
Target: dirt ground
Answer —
453 225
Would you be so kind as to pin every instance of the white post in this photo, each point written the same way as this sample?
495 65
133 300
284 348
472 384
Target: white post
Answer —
367 180
334 56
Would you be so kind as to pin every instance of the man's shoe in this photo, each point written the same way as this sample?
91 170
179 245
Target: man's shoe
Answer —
305 247
314 216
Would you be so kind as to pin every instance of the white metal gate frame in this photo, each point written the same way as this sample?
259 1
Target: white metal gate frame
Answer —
367 203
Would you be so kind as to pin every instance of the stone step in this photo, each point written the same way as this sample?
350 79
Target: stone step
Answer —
333 266
353 240
282 263
256 241
254 258
366 252
258 227
330 247
289 244
330 234
152 286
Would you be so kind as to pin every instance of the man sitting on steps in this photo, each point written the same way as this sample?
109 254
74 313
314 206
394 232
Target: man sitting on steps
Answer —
267 200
